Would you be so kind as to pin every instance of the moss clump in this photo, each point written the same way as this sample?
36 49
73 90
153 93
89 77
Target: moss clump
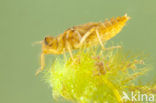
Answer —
95 77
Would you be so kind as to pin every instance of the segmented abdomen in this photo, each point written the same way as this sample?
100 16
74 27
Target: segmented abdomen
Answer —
108 29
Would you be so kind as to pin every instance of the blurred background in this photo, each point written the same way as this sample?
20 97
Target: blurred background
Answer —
23 22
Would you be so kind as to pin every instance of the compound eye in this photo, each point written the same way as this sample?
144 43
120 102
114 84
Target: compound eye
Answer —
46 41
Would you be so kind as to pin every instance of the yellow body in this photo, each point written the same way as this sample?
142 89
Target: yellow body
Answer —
89 34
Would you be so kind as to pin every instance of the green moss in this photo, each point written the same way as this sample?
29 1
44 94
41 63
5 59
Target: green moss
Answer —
95 77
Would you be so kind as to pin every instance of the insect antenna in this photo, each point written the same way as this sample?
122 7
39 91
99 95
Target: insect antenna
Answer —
37 42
